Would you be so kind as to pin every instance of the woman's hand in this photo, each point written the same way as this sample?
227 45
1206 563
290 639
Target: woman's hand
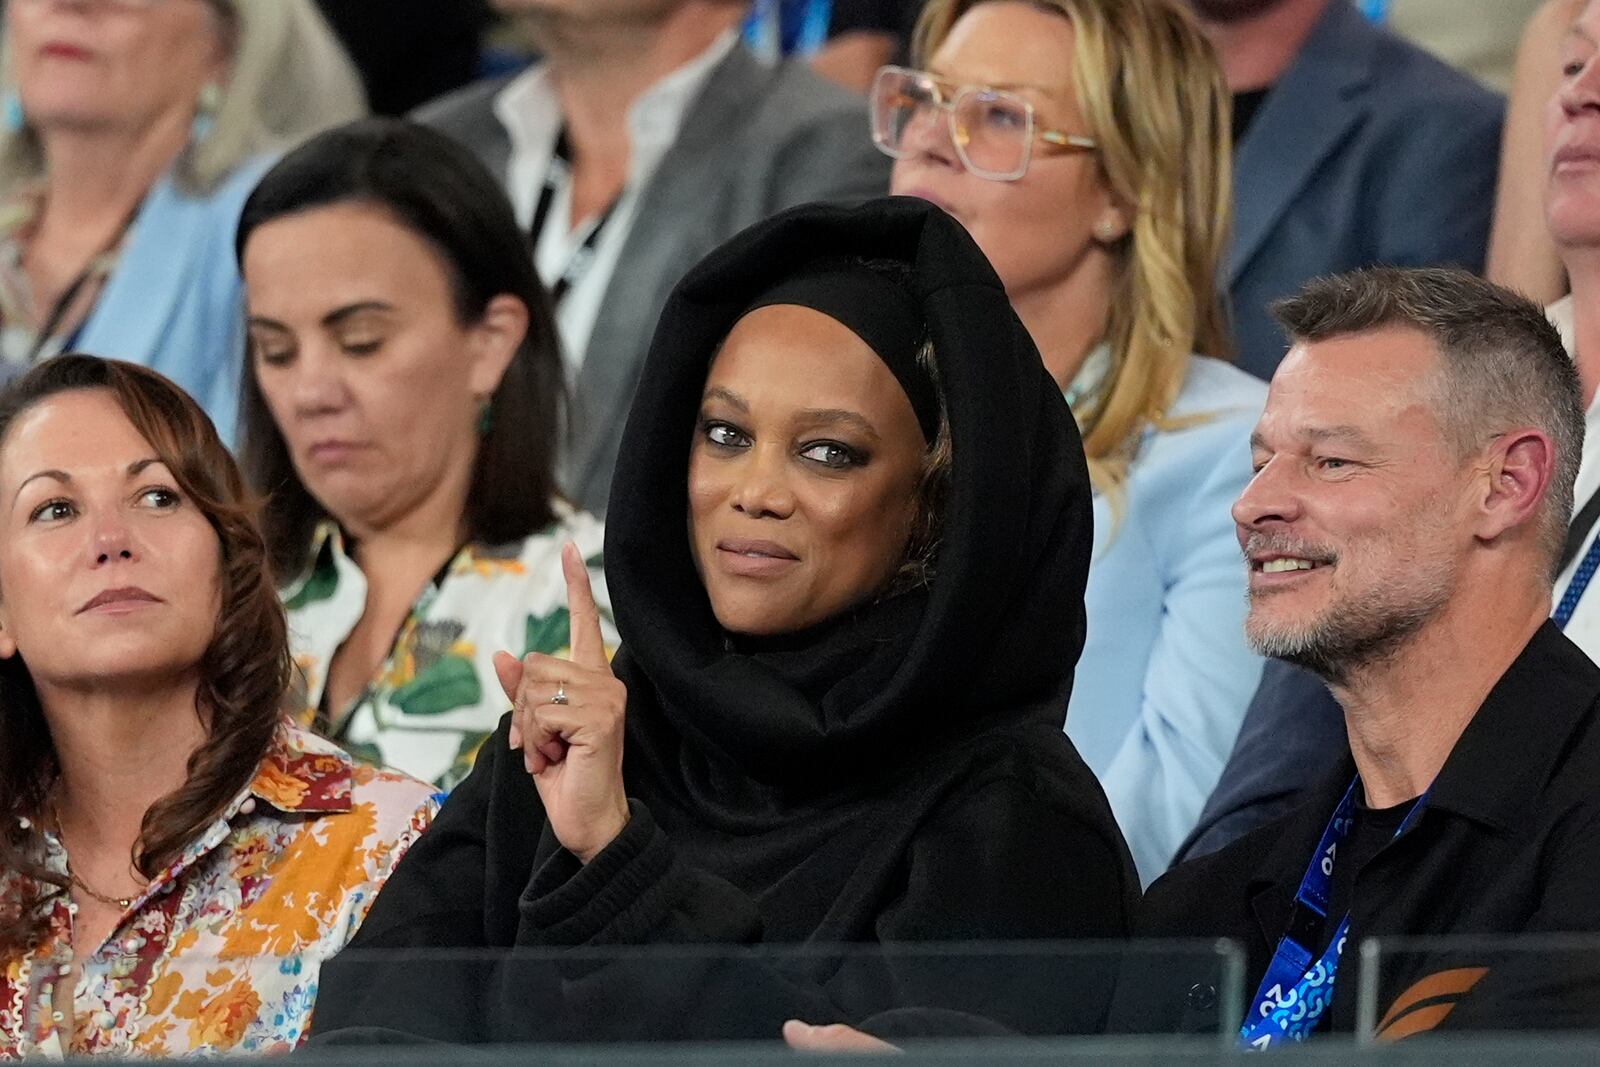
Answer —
804 1037
572 749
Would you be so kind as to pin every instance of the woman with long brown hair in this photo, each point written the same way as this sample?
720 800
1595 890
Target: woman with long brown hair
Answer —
175 858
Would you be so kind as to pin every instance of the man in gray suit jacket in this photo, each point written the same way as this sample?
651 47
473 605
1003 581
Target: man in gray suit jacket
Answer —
1354 148
645 137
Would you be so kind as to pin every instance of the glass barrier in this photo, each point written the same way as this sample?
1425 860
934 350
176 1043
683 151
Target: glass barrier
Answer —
1438 986
1004 994
1014 1000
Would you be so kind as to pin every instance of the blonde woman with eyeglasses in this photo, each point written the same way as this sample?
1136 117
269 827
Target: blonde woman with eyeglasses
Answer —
1085 146
131 132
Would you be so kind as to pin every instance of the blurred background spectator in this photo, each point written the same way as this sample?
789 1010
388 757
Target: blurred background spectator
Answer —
1107 227
410 51
1522 253
645 136
131 134
1353 147
401 412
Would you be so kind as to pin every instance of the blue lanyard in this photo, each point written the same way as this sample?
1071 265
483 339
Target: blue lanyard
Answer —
1580 582
1375 10
1295 993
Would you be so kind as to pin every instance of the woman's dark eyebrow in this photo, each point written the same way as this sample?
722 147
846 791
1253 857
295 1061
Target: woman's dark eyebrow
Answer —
727 396
338 315
808 417
136 468
837 417
61 476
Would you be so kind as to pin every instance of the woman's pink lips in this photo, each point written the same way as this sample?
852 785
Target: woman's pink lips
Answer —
754 559
333 451
63 50
120 600
1576 156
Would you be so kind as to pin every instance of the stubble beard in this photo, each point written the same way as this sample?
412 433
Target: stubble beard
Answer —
1359 630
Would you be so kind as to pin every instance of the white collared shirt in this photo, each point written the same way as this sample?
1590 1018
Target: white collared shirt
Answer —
1584 626
531 113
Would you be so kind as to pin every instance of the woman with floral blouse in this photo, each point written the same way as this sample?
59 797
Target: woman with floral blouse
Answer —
176 858
402 412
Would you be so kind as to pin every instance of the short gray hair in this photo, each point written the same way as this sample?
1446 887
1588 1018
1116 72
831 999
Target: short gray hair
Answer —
1502 361
289 78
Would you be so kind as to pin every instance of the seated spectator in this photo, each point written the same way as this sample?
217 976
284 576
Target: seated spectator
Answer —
1353 148
1107 227
1415 475
410 51
836 714
1572 214
176 859
644 139
401 411
131 134
1294 722
1522 254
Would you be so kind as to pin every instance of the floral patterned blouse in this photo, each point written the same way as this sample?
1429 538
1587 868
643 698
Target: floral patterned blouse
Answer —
222 950
436 699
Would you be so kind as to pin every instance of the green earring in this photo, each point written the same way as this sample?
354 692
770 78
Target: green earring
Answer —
486 418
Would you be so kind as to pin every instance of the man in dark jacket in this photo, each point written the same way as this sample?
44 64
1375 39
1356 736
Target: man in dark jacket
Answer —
1352 147
1415 475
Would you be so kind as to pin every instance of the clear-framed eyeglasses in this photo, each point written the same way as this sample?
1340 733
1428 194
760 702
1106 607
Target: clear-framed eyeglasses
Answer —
993 130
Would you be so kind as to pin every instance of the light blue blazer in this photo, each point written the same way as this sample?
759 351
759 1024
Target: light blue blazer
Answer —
175 302
1165 676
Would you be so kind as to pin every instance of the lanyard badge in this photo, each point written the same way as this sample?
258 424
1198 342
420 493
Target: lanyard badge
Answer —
1296 992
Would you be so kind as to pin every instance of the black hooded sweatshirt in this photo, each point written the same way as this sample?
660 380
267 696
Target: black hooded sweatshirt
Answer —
896 775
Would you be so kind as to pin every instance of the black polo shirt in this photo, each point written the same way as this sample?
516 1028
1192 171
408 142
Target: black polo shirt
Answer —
1508 843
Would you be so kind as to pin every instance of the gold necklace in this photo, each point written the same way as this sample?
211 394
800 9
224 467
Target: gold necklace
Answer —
116 902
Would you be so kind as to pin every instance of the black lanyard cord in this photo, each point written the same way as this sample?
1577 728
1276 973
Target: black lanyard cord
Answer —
582 258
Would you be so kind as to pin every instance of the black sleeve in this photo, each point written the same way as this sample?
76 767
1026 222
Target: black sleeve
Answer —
435 900
635 892
999 863
1004 864
640 926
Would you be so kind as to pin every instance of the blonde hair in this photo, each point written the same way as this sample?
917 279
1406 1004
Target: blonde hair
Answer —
288 78
1152 92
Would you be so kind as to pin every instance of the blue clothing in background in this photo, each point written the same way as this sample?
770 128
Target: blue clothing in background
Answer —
1290 736
175 301
1367 150
778 28
1165 676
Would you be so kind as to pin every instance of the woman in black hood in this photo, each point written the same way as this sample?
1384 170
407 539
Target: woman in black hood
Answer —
846 550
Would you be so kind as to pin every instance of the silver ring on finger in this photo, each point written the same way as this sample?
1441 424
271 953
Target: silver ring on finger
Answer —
560 699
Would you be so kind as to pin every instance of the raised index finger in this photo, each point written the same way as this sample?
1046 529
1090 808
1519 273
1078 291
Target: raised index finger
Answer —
588 644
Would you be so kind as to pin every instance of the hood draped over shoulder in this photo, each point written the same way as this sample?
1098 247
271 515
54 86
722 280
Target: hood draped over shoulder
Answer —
989 643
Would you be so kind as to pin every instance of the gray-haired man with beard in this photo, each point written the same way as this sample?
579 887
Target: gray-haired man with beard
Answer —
1415 467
